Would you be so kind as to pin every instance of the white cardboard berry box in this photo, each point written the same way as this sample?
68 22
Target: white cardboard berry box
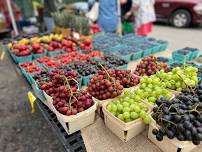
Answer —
125 131
169 145
74 123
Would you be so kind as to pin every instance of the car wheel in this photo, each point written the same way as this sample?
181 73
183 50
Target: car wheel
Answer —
181 18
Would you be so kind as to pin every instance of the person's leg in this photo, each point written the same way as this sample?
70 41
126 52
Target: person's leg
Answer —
49 22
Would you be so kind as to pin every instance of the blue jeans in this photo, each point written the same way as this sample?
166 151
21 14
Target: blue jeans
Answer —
50 25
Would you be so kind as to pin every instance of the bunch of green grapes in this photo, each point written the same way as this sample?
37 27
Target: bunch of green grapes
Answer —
128 107
179 78
151 89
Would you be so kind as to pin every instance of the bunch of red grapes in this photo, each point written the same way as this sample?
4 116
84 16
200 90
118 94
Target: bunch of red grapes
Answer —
125 77
63 87
149 66
57 79
103 86
68 103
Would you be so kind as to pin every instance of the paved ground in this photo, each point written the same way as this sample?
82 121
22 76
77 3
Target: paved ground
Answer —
179 38
21 131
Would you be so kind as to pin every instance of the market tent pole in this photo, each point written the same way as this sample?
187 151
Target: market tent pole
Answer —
119 28
12 17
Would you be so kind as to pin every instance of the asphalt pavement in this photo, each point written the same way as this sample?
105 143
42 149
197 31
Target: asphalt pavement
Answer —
179 37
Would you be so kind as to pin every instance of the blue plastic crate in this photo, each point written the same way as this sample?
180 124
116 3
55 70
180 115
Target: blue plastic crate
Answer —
36 56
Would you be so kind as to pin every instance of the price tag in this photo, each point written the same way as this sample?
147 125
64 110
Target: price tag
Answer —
76 35
32 100
2 56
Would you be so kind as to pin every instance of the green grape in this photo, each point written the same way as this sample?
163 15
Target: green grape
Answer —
132 107
158 91
126 99
109 107
126 109
137 98
168 84
152 99
143 114
149 80
179 89
134 115
131 101
168 96
125 104
178 84
195 79
144 79
169 76
143 85
147 119
148 90
126 115
146 94
137 109
119 107
141 105
150 86
120 116
114 108
156 81
163 84
114 113
128 120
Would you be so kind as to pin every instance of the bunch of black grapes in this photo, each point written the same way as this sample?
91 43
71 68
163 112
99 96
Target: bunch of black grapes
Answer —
180 117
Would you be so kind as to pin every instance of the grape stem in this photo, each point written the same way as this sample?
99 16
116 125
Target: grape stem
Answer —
169 121
114 82
66 83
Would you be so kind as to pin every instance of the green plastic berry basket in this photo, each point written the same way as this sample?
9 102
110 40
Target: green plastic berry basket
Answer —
170 61
194 54
156 49
124 67
27 75
181 58
163 47
23 59
137 55
147 52
38 92
36 56
86 80
54 53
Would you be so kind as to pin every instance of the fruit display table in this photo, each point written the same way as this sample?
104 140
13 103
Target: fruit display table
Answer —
124 98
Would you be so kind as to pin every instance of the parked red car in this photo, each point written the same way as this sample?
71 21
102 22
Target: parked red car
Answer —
180 13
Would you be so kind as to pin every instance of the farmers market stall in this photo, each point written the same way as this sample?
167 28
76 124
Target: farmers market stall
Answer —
94 104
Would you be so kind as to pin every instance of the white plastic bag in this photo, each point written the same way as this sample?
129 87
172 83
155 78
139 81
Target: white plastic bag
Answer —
94 12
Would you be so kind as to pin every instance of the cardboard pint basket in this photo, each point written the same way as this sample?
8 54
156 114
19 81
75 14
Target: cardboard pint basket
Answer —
125 131
169 145
49 102
74 123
